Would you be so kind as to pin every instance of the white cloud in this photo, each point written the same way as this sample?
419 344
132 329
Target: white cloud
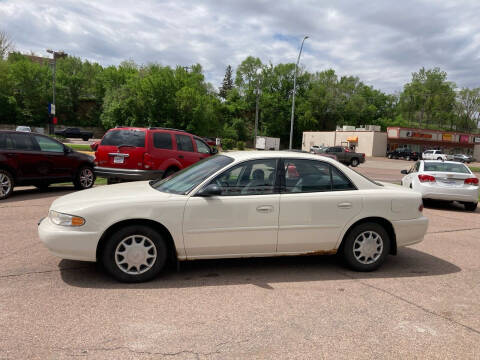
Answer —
382 42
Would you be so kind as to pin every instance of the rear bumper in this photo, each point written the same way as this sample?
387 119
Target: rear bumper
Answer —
450 194
128 174
409 232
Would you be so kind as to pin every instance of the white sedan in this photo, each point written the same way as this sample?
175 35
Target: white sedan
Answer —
443 180
238 204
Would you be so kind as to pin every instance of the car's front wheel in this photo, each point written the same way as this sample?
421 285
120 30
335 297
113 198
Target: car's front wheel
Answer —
354 162
6 184
472 206
407 158
366 247
85 178
135 253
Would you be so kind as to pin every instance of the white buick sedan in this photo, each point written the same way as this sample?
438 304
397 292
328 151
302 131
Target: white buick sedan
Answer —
443 180
238 204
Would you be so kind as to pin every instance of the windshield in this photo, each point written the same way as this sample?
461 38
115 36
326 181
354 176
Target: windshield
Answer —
184 181
445 167
124 137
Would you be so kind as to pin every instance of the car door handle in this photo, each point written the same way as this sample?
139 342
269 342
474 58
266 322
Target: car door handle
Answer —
345 205
265 209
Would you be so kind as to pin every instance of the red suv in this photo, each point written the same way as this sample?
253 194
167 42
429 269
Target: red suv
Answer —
127 153
34 159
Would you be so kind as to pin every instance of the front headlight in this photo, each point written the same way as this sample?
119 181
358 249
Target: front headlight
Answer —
65 219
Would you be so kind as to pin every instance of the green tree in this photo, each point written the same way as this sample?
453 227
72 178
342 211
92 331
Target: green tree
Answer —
227 83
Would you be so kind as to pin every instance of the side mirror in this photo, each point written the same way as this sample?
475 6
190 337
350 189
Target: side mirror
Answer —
210 190
404 172
213 151
94 146
67 149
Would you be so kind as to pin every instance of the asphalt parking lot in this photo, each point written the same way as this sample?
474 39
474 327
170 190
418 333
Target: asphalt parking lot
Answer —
424 302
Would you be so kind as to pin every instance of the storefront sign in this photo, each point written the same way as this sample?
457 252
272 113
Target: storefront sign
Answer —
464 138
416 134
477 140
447 137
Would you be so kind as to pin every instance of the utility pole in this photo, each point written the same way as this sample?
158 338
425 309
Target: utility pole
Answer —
294 90
256 109
60 54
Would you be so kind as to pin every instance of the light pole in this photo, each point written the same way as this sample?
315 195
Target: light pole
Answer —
259 71
54 53
294 90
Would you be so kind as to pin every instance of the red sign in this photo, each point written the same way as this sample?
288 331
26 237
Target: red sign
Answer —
464 138
55 121
419 135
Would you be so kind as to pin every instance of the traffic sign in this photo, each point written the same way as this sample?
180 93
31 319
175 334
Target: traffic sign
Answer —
51 109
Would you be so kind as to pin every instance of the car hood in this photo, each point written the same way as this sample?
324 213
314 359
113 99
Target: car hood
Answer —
139 191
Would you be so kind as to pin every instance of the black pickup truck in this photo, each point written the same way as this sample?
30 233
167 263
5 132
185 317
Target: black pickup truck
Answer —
403 153
75 133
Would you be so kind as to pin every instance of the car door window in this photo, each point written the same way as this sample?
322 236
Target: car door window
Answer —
22 142
305 176
202 147
49 145
162 140
256 177
184 142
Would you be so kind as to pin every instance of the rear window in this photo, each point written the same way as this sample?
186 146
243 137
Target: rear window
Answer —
445 167
124 137
13 141
162 140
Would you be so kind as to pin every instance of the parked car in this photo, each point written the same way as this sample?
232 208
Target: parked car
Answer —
74 133
34 159
463 158
238 204
443 180
403 153
346 156
23 128
128 153
434 155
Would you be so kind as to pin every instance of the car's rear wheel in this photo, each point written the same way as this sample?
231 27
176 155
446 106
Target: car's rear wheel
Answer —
85 178
471 206
6 184
439 158
354 162
407 158
135 253
389 156
366 247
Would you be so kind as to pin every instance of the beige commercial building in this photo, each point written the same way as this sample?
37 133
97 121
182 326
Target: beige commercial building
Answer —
371 143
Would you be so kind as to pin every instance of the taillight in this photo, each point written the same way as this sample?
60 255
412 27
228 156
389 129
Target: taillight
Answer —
471 181
347 150
363 155
420 208
147 161
426 178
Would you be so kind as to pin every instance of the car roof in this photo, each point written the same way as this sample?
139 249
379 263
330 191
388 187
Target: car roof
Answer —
258 154
445 162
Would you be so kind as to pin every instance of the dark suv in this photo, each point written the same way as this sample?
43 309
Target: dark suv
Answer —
34 159
128 153
403 153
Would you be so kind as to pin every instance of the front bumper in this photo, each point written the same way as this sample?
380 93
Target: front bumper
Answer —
128 174
68 243
409 232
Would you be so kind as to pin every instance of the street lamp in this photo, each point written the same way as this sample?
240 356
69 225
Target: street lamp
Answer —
294 90
51 125
259 71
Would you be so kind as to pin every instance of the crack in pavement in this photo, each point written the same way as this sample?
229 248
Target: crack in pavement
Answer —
424 309
43 272
455 230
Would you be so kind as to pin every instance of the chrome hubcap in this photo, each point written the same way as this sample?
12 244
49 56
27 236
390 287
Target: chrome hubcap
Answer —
86 178
135 254
5 184
368 247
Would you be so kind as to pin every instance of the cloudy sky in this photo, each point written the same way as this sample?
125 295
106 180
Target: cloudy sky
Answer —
380 41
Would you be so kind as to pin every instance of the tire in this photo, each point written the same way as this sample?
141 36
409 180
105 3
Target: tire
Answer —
85 178
407 158
439 158
354 162
7 183
389 156
85 138
470 206
154 254
374 257
169 172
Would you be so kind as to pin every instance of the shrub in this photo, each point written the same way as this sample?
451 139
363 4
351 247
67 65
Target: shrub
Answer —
241 145
228 144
